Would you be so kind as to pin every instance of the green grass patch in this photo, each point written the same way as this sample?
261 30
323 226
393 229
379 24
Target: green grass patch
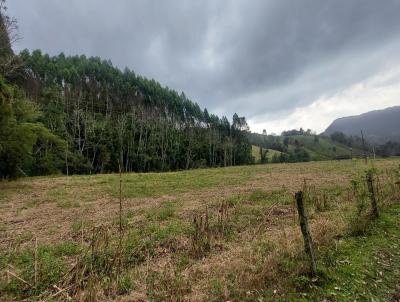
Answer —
365 268
51 266
164 212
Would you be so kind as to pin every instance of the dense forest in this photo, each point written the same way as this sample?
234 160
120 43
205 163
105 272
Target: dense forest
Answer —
74 114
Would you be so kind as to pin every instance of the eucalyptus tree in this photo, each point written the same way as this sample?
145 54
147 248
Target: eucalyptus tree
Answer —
162 129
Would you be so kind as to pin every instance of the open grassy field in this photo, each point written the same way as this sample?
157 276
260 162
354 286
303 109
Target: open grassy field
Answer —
224 234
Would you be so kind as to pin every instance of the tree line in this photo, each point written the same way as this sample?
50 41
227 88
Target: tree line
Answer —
83 115
387 149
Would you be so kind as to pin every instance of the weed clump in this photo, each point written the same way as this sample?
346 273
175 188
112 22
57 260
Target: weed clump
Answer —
168 285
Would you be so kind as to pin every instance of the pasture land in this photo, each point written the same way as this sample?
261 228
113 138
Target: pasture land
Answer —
223 234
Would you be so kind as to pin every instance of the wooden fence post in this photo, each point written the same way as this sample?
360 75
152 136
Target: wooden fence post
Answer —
305 230
364 149
371 190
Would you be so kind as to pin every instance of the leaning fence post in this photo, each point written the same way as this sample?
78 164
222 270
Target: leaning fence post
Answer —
305 230
371 190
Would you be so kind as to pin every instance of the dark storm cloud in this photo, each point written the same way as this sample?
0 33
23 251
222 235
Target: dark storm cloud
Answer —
247 56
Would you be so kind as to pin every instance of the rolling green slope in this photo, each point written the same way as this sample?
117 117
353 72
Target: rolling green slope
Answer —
318 147
324 148
255 152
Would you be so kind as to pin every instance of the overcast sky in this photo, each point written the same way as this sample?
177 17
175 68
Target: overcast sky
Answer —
281 63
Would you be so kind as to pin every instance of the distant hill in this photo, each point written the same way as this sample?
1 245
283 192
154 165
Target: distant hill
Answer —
318 147
321 149
378 126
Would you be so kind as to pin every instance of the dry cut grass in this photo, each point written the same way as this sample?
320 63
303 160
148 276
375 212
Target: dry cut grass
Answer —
203 235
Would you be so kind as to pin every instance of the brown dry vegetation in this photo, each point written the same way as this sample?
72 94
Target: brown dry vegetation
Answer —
255 251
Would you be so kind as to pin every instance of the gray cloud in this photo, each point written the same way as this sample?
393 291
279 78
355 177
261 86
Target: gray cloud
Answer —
254 57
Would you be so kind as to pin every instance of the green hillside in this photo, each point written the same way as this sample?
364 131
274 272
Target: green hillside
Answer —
321 148
310 147
255 152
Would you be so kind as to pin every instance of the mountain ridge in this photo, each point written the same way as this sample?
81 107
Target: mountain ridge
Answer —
378 126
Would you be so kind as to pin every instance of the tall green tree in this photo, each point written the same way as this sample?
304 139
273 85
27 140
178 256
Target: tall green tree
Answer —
27 147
